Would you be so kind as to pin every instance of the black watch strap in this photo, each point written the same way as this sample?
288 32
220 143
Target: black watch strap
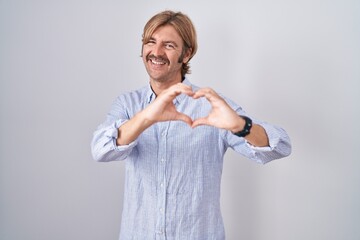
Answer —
247 127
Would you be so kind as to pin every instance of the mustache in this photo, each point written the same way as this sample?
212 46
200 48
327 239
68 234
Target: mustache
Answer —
157 58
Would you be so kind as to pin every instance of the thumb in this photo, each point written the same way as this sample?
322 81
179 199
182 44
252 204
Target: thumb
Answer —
199 122
185 118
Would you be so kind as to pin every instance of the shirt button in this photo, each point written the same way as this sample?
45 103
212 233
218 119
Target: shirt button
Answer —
162 160
161 210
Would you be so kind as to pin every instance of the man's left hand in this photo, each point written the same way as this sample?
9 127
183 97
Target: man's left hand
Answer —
221 115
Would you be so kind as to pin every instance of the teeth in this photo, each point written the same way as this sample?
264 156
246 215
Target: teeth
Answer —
157 63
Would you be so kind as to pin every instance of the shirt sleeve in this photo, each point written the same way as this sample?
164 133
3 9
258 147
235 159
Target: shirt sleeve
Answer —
279 144
103 144
279 141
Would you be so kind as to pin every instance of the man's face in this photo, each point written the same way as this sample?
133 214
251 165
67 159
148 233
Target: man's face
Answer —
162 55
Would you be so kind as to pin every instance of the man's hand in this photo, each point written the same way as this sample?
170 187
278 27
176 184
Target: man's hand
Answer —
163 109
221 115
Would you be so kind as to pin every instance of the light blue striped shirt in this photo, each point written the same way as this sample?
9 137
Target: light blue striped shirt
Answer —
173 172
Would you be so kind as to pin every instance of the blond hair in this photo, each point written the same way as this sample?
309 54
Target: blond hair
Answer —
182 25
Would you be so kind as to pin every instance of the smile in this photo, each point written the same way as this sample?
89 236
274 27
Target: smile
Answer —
157 62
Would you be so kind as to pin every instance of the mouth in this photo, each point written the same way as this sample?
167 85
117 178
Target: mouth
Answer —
157 60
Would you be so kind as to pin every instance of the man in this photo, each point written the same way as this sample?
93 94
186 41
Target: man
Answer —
173 137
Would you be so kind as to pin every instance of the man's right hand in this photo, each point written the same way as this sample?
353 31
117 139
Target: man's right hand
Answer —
163 108
160 110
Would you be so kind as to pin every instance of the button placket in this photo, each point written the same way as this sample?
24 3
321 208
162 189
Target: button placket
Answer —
161 197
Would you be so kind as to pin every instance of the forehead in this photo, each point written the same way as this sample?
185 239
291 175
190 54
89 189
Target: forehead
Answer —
166 33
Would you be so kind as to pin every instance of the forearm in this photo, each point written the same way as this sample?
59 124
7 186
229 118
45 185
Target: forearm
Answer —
257 136
130 130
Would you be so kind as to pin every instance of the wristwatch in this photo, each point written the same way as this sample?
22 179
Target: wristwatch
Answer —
246 129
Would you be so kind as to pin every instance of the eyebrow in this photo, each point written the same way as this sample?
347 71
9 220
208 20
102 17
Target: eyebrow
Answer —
169 41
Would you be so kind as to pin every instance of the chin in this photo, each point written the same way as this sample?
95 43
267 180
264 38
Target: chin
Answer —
158 79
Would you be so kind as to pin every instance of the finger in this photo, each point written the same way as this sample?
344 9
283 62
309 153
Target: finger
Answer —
190 93
205 92
185 89
185 118
199 122
200 93
178 89
169 94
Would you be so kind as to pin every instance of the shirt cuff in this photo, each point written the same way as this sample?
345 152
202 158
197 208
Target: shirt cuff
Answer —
272 135
114 134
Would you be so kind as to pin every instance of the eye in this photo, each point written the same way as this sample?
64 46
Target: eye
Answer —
169 46
150 42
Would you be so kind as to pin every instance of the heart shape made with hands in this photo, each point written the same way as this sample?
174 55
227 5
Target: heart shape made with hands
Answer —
220 116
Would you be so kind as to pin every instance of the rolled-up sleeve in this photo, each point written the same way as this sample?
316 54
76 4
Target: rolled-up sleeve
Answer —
103 144
279 144
279 141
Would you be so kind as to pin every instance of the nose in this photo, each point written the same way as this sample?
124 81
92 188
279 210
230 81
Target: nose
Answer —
158 50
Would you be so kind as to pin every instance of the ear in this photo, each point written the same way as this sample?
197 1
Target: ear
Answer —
187 55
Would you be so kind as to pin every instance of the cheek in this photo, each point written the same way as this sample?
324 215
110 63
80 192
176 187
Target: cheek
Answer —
144 54
145 51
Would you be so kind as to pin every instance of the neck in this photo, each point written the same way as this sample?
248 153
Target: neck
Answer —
159 86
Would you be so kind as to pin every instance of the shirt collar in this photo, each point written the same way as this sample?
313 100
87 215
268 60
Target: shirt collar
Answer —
150 95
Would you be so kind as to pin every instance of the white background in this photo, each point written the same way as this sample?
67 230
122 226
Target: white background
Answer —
292 63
